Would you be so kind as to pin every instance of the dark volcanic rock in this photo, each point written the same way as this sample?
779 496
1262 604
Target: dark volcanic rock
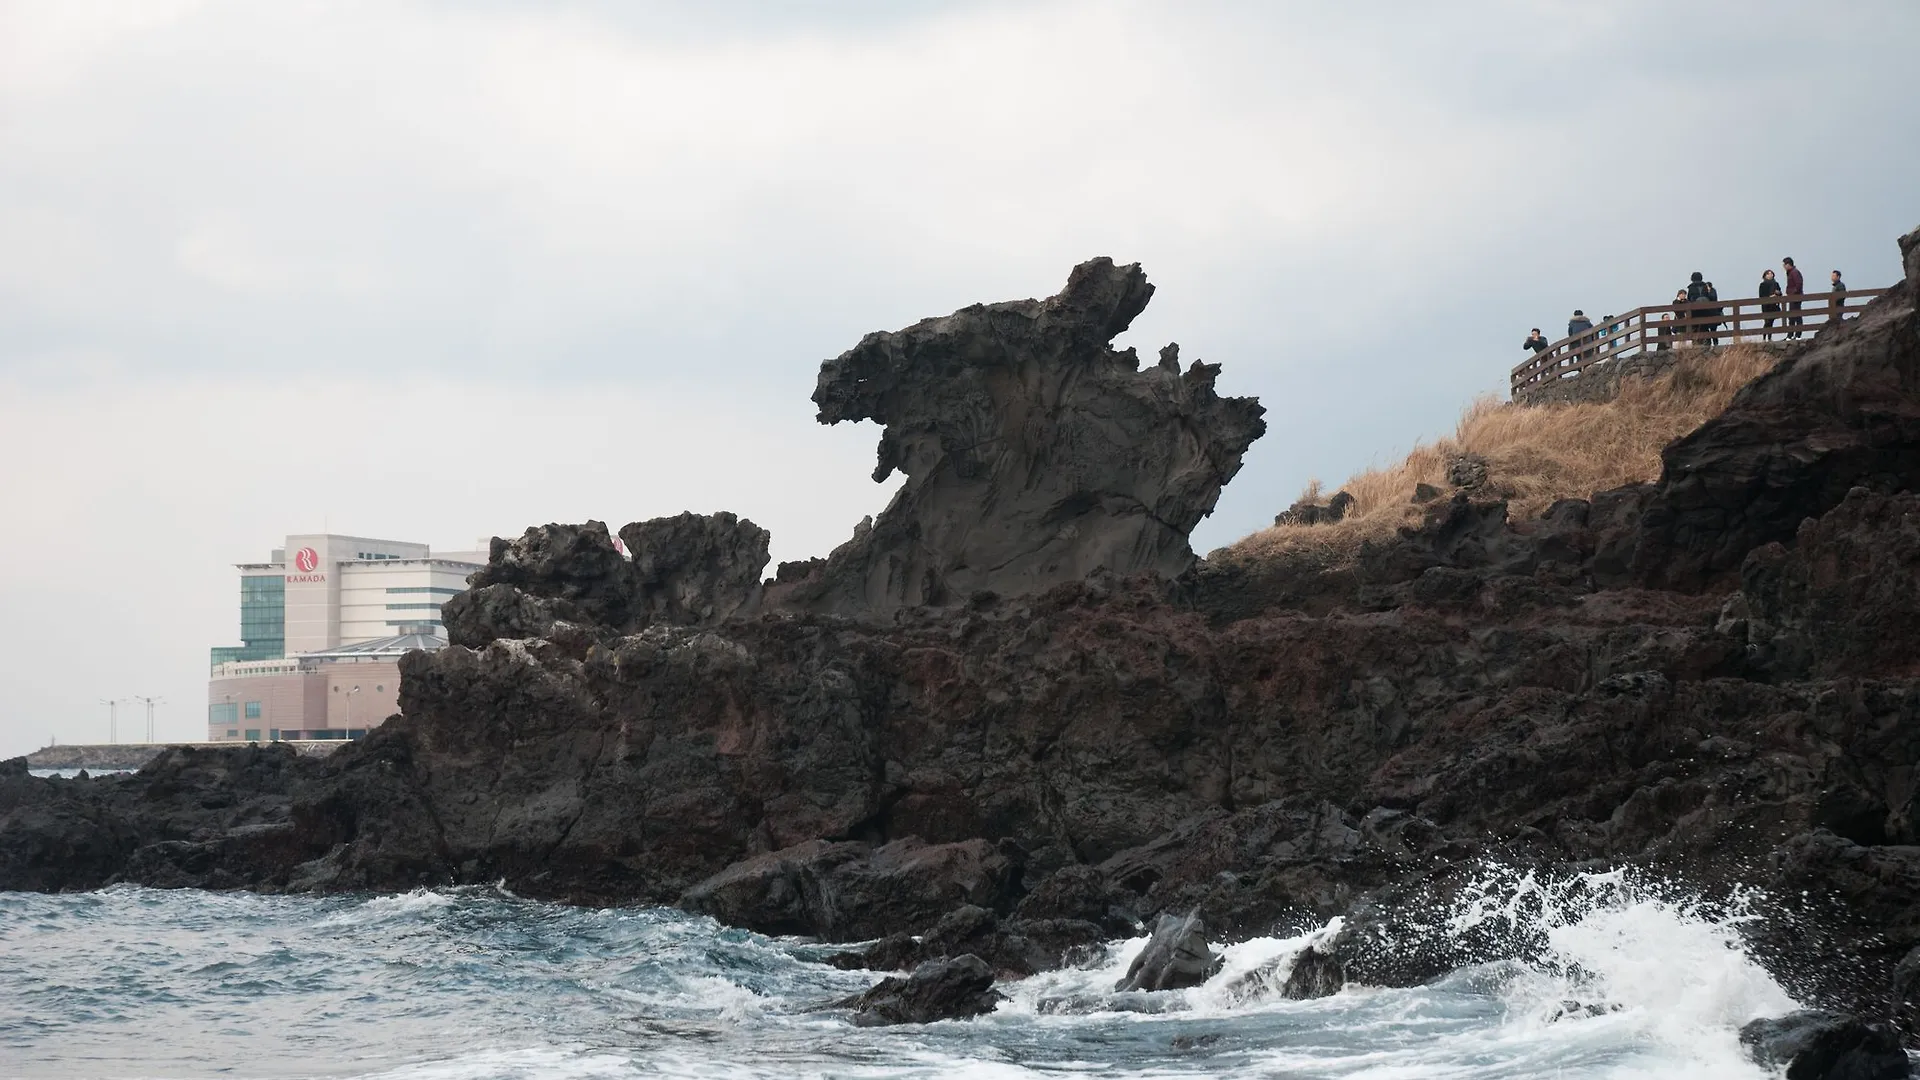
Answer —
696 569
1315 974
552 573
1816 1045
851 890
1308 512
1842 599
1177 955
1034 453
956 989
1012 947
689 570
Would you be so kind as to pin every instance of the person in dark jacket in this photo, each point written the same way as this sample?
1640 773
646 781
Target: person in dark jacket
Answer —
1536 341
1839 301
1768 288
1796 285
1699 291
1576 326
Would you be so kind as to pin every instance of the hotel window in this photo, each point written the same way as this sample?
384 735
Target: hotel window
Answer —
253 710
224 713
233 733
253 734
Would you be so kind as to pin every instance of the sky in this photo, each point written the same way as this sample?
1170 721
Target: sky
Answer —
434 271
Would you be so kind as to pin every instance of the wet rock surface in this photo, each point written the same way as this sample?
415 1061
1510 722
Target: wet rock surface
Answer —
957 989
1817 1045
1662 676
1176 955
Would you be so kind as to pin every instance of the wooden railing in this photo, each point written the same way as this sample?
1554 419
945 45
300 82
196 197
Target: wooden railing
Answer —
1674 326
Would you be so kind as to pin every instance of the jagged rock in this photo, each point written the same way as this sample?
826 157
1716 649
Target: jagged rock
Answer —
551 573
850 890
1815 1045
1176 956
1308 512
1467 471
1425 493
689 570
957 989
1034 453
1839 414
695 569
1315 974
1906 990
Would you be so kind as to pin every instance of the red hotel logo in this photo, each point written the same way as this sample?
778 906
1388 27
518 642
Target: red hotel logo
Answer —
306 560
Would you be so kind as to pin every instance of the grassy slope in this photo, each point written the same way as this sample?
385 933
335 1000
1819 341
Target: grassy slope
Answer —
1534 455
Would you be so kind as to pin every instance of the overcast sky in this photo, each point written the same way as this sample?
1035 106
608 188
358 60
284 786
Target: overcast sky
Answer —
434 271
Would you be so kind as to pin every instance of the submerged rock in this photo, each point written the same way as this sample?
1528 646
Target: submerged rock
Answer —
1176 956
1817 1045
955 989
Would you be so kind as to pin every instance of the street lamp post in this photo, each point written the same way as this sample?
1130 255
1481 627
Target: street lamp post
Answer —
113 718
151 702
350 694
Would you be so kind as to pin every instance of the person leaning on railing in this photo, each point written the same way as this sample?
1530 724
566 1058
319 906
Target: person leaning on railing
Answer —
1537 342
1839 300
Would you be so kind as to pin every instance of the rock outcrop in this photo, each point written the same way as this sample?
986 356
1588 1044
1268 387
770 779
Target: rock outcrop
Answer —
956 989
1713 690
1034 453
690 570
1816 1045
1176 955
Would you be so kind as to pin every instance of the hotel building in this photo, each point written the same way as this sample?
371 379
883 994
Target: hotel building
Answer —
323 623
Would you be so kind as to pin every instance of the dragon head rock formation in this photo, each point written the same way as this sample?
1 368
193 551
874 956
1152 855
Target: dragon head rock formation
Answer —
1034 452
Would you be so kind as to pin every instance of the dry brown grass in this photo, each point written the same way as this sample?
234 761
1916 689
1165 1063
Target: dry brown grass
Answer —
1534 454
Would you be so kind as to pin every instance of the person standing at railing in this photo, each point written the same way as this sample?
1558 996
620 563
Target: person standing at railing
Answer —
1769 288
1839 301
1796 285
1576 326
1700 290
1667 321
1536 341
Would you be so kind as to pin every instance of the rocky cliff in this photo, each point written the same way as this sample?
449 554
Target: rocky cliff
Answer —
1710 676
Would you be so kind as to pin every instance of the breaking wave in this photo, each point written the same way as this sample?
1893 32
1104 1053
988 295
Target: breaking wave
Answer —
1608 976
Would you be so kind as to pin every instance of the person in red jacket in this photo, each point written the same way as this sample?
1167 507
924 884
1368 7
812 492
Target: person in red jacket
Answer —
1796 285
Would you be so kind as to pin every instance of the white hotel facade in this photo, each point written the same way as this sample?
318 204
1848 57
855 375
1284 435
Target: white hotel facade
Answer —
323 623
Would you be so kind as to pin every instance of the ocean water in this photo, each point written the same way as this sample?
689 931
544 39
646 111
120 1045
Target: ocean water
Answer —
472 983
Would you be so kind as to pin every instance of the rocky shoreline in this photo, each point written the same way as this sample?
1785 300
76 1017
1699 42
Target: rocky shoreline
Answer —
1014 717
